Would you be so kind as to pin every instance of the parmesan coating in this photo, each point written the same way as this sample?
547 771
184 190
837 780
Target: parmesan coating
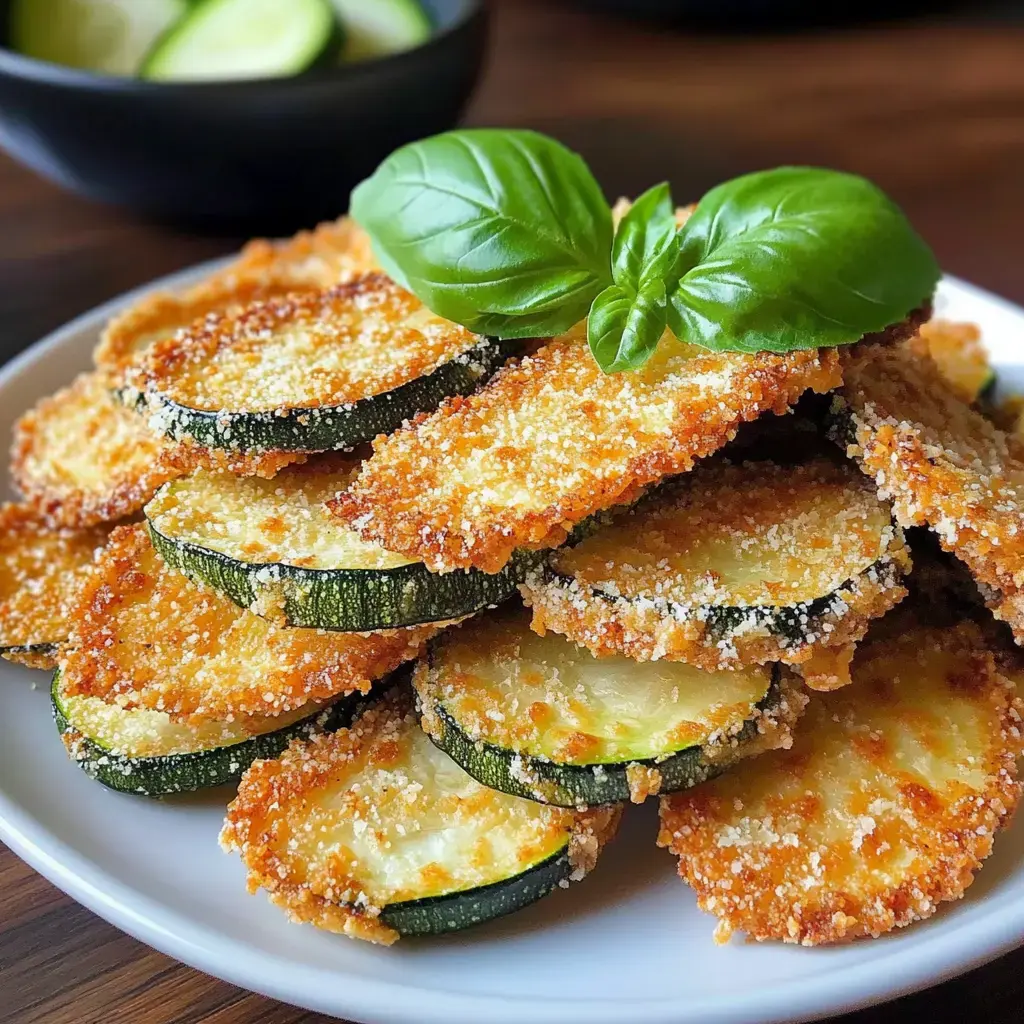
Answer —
41 569
553 439
79 458
960 355
332 253
942 463
729 566
145 636
306 351
884 807
344 824
312 260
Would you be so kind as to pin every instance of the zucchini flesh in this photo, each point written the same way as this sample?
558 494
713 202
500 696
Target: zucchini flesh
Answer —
238 39
145 752
382 27
544 719
272 546
729 565
313 372
108 36
375 832
41 568
884 806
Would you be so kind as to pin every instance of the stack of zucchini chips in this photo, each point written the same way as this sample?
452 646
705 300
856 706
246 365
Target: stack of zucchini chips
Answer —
439 669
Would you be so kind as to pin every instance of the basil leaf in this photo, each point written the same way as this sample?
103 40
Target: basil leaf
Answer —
796 258
624 329
505 232
645 243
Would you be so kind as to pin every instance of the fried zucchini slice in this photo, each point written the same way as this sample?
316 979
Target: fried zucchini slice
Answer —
129 335
41 568
553 439
145 636
374 833
941 462
312 260
146 752
731 565
312 372
79 458
272 546
544 719
884 807
958 352
332 253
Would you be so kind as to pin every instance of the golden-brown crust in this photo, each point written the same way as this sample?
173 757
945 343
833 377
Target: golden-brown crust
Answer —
79 458
188 456
41 569
884 807
333 253
552 439
958 352
278 798
145 636
619 599
942 463
305 350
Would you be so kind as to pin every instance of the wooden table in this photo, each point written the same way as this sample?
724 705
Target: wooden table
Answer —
934 112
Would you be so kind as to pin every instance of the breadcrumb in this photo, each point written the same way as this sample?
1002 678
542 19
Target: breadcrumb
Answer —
884 807
145 636
41 569
941 462
79 458
732 565
552 439
344 825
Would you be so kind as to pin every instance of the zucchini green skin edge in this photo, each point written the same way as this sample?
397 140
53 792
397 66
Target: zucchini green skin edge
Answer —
333 427
45 650
570 785
435 915
348 600
790 623
185 773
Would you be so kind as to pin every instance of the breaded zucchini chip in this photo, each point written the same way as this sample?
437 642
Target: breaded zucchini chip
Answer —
884 807
375 833
732 565
145 636
312 372
332 253
958 352
941 462
553 439
542 718
79 458
159 315
312 260
41 569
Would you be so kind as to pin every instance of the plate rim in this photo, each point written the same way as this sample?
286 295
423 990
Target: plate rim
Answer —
931 960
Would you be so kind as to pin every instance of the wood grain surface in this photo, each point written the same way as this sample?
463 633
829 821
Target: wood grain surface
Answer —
933 110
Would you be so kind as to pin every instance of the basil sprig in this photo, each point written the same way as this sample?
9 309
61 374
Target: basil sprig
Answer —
508 233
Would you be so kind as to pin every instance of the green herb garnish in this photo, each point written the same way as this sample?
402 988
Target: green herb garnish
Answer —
508 233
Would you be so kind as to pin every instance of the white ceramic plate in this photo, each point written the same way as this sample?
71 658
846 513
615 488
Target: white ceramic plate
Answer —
627 944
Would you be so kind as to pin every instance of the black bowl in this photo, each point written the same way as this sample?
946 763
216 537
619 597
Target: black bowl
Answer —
265 154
